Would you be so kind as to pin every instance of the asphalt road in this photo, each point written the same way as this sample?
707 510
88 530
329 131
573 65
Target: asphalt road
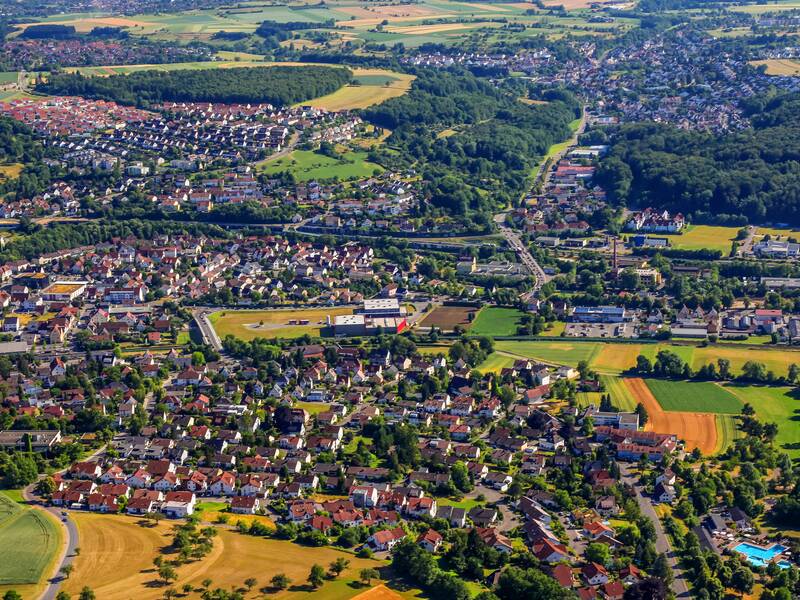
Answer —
663 546
68 551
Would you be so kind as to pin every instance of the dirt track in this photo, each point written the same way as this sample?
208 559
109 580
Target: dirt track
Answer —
698 430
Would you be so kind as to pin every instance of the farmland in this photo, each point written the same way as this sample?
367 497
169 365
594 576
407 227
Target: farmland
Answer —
778 66
496 321
373 86
694 396
705 236
250 324
35 538
306 165
495 362
779 405
556 352
698 430
447 317
117 557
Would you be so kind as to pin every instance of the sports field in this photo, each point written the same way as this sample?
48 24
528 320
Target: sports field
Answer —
694 396
779 405
705 236
30 541
306 165
117 558
698 430
251 324
496 321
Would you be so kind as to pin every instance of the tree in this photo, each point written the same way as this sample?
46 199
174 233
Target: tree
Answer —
280 581
598 553
530 584
206 583
62 595
167 573
651 588
339 565
45 486
742 580
87 594
12 595
250 583
316 576
642 412
367 575
67 570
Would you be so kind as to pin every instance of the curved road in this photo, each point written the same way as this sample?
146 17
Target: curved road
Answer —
67 552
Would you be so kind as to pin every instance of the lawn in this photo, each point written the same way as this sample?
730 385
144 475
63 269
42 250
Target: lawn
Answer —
117 559
558 353
313 408
779 405
252 324
29 541
694 396
697 237
306 165
496 321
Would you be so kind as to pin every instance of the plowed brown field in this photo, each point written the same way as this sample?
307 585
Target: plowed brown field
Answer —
698 430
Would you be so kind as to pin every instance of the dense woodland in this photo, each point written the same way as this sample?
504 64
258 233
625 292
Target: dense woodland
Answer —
495 140
750 176
275 85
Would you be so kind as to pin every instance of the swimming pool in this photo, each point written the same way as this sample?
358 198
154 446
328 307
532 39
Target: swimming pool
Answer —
757 555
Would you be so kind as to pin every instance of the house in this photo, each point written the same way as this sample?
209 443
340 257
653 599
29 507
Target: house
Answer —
664 493
563 575
550 552
245 505
431 540
179 505
595 574
613 590
386 539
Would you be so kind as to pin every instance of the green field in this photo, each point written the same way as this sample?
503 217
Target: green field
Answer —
29 539
306 165
496 321
779 405
557 353
694 396
496 362
621 396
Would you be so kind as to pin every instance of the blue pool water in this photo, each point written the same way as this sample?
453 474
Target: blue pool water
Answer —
759 556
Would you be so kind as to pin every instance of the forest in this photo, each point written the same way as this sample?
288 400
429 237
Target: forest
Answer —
495 143
275 85
751 175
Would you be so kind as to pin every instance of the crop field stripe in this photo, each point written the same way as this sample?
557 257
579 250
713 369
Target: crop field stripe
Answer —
621 396
727 432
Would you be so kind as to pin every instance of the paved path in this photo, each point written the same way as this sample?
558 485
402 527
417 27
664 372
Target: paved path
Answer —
679 585
68 550
210 336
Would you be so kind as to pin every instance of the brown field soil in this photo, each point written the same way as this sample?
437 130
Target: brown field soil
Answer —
85 25
447 317
117 555
441 28
698 430
777 66
379 592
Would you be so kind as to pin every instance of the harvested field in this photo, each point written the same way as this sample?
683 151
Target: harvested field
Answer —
697 430
86 25
569 4
777 360
616 358
117 558
440 28
351 97
250 324
777 66
379 592
447 317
